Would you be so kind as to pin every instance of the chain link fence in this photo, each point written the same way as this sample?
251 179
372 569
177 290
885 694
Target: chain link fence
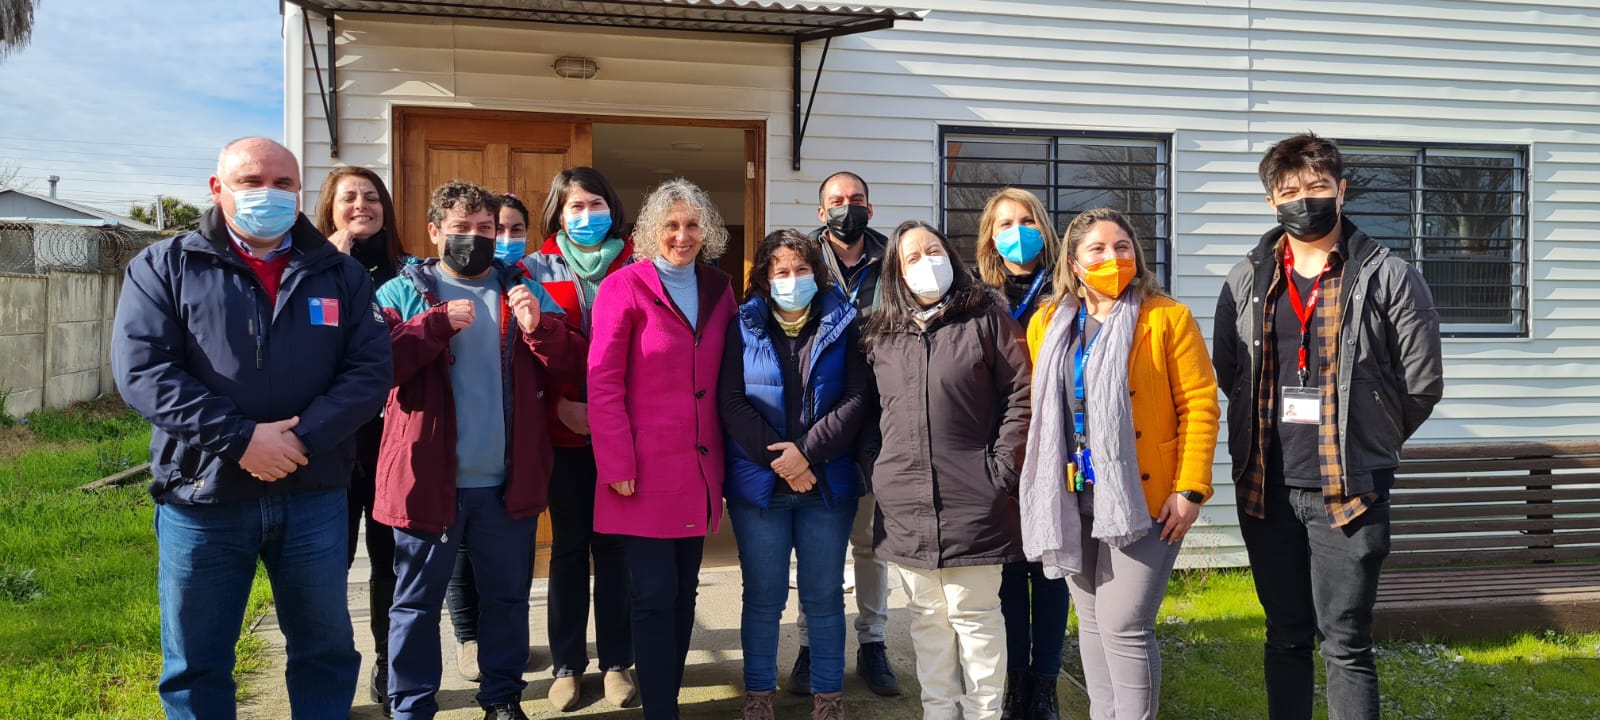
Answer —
36 248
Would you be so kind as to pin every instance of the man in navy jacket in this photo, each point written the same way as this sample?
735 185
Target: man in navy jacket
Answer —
254 349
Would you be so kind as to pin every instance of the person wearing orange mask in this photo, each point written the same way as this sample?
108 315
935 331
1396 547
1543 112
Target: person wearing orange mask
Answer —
1119 453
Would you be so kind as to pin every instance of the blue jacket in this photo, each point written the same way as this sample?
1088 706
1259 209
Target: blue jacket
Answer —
750 478
199 352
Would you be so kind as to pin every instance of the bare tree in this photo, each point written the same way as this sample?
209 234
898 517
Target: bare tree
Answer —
9 173
16 24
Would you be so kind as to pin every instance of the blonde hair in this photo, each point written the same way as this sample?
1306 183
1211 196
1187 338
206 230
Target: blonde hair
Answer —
653 219
991 267
1066 281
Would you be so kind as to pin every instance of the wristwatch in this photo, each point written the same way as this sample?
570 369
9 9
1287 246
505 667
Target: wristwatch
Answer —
1194 496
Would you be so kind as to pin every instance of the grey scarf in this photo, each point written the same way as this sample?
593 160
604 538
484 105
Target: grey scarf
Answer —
1052 530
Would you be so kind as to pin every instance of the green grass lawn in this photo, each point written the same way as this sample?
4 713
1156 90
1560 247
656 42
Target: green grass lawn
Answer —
79 629
1211 632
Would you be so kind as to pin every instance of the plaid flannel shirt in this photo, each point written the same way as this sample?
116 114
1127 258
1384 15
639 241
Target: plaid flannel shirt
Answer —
1330 306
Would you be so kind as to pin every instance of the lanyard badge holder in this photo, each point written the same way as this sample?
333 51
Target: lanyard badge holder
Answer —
1027 300
1080 472
1302 405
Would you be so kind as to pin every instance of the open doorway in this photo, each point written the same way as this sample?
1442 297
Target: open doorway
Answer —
521 152
637 157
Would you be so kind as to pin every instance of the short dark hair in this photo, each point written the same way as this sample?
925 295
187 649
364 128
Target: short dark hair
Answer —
461 194
1299 154
842 173
590 180
515 203
759 286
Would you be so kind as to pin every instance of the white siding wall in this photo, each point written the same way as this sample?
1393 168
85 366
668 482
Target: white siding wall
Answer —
1224 78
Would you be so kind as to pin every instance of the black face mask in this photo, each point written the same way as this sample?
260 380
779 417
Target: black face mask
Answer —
847 223
467 255
1309 218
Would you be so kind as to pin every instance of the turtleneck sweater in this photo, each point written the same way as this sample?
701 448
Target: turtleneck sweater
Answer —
682 286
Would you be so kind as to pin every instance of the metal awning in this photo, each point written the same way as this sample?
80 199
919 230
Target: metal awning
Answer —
800 22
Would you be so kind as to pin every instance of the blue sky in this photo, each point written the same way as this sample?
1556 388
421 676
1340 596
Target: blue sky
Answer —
128 99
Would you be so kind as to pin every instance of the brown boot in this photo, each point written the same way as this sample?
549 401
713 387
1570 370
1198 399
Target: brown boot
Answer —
620 688
758 705
564 693
827 706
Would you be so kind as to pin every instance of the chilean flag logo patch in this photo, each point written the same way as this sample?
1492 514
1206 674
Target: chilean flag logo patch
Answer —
325 311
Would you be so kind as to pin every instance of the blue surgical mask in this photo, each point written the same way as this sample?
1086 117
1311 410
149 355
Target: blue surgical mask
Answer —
795 292
509 249
1019 243
588 228
265 213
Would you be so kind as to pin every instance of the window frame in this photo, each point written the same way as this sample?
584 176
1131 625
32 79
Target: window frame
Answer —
1520 256
1164 263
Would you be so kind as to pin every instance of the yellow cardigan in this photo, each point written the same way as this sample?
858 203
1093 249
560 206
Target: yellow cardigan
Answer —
1174 395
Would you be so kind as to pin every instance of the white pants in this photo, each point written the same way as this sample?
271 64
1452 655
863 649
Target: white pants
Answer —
960 640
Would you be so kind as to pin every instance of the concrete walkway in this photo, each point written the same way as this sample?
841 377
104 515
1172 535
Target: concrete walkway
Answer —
713 682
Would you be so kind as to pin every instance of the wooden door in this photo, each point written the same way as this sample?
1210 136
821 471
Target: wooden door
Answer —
502 151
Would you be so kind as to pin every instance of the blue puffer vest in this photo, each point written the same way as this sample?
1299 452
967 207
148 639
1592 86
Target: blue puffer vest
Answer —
752 482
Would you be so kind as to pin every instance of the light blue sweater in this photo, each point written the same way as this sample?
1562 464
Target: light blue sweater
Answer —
682 285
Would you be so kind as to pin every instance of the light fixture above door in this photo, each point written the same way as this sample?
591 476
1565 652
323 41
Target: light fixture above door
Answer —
578 68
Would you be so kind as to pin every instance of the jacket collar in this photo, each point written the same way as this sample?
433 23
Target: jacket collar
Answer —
1355 244
424 276
834 314
309 247
709 283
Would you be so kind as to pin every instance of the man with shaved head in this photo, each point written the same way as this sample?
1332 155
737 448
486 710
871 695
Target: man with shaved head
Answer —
254 348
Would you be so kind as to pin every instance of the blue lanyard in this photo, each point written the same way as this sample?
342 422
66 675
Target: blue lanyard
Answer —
1081 361
1027 300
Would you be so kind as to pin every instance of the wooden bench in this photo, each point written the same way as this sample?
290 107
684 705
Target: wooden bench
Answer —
1491 539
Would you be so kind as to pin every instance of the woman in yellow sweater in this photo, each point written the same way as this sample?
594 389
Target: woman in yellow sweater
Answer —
1119 453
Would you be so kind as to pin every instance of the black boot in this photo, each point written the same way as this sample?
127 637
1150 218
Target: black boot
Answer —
1019 695
800 676
1042 705
380 595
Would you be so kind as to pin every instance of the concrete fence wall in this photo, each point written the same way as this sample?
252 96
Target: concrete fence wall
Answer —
55 338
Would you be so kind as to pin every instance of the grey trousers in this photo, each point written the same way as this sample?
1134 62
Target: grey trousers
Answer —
1117 598
872 581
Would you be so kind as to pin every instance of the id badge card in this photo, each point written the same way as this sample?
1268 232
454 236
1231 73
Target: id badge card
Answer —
1302 405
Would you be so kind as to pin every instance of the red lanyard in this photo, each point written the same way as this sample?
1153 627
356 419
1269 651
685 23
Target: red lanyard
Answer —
1302 310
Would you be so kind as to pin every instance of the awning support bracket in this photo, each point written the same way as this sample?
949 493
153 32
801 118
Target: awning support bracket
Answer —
800 123
329 92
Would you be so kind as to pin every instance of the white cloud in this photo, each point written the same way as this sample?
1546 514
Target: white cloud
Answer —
127 99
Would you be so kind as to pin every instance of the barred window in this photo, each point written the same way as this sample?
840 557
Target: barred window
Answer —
1460 215
1069 171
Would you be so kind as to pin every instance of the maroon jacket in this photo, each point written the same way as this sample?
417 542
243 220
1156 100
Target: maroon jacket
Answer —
416 484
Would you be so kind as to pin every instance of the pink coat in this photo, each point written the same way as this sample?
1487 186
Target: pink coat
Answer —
653 404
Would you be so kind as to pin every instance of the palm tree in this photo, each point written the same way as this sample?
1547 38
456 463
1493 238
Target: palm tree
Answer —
16 24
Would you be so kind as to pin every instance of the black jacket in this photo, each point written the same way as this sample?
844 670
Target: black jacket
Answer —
955 401
1391 371
861 288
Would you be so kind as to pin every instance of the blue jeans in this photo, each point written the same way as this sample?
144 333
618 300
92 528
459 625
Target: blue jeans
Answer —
1035 608
503 548
817 536
208 557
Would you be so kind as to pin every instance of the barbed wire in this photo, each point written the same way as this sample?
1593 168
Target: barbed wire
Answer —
37 248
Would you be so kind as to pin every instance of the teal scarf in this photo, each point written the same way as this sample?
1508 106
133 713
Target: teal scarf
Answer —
591 261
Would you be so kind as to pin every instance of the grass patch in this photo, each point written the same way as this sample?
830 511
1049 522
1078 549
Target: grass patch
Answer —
1211 629
80 631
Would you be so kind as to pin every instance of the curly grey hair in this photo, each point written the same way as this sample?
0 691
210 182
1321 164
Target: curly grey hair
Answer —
653 219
